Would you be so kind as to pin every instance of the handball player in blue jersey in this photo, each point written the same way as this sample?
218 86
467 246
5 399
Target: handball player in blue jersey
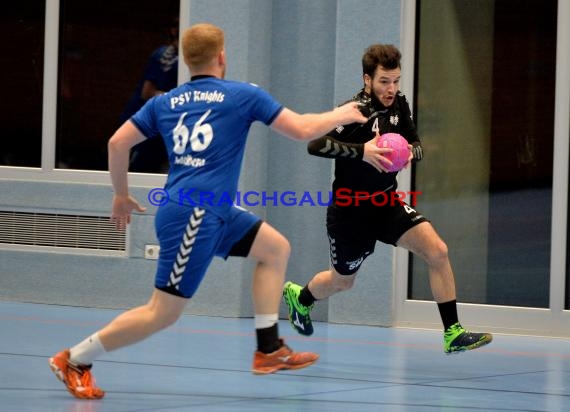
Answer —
205 123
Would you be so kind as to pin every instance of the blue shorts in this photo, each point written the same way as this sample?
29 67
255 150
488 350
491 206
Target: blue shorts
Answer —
189 239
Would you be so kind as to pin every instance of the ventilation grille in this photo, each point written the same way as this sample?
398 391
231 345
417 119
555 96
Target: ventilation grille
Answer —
60 231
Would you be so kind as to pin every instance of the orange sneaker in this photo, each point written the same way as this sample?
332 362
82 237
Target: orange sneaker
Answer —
282 358
77 378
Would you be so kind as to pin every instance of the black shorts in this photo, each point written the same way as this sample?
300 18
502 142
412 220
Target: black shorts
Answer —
354 230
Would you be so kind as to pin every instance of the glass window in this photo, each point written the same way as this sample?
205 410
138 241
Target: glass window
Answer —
104 51
22 38
485 112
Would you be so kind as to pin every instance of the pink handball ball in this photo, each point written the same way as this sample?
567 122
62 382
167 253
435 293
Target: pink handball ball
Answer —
399 157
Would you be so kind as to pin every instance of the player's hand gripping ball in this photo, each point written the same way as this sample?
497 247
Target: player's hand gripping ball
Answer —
399 157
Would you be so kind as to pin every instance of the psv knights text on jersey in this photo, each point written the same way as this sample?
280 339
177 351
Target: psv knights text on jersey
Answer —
204 124
351 172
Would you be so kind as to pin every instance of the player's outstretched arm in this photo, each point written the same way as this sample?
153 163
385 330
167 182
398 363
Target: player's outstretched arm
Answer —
309 126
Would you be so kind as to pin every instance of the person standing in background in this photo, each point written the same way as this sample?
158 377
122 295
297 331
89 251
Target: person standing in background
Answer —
160 75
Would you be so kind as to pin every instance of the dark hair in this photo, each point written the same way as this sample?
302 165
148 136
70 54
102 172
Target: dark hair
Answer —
172 28
385 55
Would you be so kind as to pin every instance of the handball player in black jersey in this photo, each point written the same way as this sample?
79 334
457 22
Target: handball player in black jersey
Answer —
367 207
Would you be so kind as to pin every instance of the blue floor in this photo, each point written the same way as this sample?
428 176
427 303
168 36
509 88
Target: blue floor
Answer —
203 364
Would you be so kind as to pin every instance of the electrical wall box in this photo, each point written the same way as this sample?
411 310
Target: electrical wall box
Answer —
151 252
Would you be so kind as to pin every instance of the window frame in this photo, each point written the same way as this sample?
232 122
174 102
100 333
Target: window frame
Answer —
552 321
47 172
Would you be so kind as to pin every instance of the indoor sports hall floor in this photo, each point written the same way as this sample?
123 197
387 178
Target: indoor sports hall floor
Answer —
203 364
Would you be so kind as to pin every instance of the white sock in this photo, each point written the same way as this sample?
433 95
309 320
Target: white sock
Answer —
265 321
87 351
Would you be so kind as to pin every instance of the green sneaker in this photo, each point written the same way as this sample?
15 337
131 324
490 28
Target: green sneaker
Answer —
299 315
457 339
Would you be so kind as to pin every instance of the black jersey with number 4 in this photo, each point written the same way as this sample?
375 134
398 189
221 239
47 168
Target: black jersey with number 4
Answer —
344 144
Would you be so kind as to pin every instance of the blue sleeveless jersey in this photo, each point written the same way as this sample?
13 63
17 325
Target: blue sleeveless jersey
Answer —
204 124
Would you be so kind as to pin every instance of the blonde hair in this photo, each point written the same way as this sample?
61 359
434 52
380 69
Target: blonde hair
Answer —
201 43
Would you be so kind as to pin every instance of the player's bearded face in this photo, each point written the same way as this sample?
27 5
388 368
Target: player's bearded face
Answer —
384 85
